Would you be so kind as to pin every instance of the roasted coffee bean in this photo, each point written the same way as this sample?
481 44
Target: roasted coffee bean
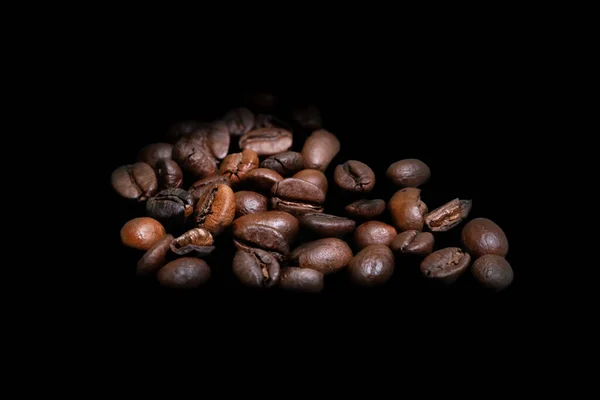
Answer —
184 128
307 117
155 257
197 240
267 141
261 179
407 210
272 231
408 173
153 153
169 174
142 233
256 268
493 272
448 216
301 280
215 210
184 273
313 176
414 243
354 176
135 182
327 225
247 202
194 156
286 163
199 187
445 265
374 232
372 266
319 149
365 209
235 166
325 255
481 236
171 206
270 121
218 139
239 121
297 197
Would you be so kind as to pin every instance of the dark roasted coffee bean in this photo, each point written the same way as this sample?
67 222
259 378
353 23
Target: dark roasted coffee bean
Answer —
247 202
171 206
307 117
267 141
256 268
215 210
169 174
153 153
313 176
374 232
481 236
407 210
414 243
184 128
142 233
218 139
319 149
326 225
297 197
445 265
354 176
365 209
408 173
194 156
325 255
286 163
239 121
301 280
199 187
493 272
270 121
135 182
261 179
184 273
235 166
448 216
272 231
372 266
155 258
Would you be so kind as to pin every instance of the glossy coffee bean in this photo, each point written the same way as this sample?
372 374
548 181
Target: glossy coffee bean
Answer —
184 273
194 156
413 242
313 176
319 149
324 255
327 225
256 268
304 280
448 216
407 210
297 197
247 202
235 166
218 139
171 206
200 186
155 152
142 233
239 121
169 174
445 265
281 221
374 232
155 258
267 141
285 164
183 128
261 179
372 266
493 272
481 236
135 182
196 242
307 117
354 176
272 231
408 173
365 209
215 210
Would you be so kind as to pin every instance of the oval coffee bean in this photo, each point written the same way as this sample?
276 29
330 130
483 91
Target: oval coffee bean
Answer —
448 216
155 152
267 141
313 176
184 273
407 210
239 121
261 179
199 187
171 206
215 210
285 164
235 166
414 243
481 236
280 221
307 117
135 182
493 272
408 173
327 225
373 265
301 280
142 233
354 176
319 149
297 197
365 209
249 237
324 255
445 265
193 155
218 139
374 232
169 174
256 268
247 202
155 257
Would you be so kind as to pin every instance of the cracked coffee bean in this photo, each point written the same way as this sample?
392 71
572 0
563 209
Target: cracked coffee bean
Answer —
372 266
155 257
285 164
142 233
304 280
365 209
445 265
247 202
171 207
169 174
313 176
184 273
354 176
408 173
413 242
481 236
154 152
267 141
135 182
215 210
200 186
407 210
235 166
197 241
319 150
374 232
239 121
297 197
194 156
493 272
448 216
256 268
327 225
327 255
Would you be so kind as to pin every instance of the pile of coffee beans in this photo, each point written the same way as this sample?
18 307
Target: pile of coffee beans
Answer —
236 179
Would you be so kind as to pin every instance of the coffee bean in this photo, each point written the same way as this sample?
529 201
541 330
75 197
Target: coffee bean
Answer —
171 207
445 265
184 273
235 166
326 225
261 179
267 141
155 152
285 164
354 176
135 182
325 255
372 266
493 272
307 117
297 197
218 139
270 121
256 268
155 257
408 173
272 231
142 233
194 156
215 210
374 232
448 216
313 176
413 242
407 210
183 128
365 209
247 202
301 280
319 149
199 187
239 121
198 241
481 236
169 174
